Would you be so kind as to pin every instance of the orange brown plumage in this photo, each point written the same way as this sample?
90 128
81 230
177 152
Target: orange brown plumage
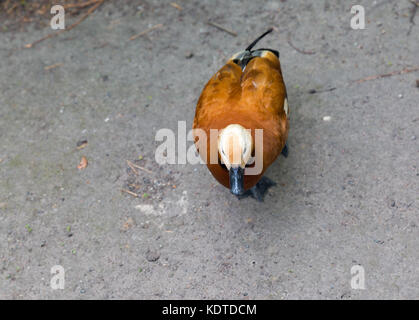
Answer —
253 98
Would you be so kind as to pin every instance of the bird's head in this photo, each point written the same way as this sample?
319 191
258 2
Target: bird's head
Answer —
235 146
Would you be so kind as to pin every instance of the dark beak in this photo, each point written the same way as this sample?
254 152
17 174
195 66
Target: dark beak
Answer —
236 181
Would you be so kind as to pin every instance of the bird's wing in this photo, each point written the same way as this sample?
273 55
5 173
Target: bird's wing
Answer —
263 88
264 96
219 93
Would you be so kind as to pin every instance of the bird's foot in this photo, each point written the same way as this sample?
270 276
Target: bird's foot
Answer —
259 190
284 151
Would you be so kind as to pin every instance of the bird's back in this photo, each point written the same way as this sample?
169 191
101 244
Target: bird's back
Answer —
250 91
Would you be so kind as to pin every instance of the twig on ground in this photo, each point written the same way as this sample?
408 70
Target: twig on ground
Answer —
53 66
297 49
176 6
146 31
131 165
222 28
12 8
139 167
51 35
80 5
130 192
379 76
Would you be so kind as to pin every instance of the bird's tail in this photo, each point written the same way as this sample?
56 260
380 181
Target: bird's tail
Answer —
242 58
258 39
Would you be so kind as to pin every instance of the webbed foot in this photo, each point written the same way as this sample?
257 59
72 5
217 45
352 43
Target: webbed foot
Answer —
259 190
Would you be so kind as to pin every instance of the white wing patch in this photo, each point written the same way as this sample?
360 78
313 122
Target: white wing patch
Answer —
238 55
265 53
286 108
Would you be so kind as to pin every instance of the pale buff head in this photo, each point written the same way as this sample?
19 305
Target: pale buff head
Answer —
235 146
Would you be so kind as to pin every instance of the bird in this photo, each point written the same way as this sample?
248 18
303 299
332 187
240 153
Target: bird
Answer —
246 96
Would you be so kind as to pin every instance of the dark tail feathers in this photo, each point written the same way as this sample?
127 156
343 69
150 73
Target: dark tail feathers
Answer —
257 40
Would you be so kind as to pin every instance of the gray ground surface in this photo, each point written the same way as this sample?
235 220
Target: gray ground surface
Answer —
347 194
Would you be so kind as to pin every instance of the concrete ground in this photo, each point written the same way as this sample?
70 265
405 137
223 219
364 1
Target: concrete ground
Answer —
348 194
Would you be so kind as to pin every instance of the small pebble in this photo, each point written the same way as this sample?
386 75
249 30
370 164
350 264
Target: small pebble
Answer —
81 142
327 118
152 256
400 96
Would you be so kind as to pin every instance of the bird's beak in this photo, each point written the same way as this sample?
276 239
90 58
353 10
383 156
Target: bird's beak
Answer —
236 180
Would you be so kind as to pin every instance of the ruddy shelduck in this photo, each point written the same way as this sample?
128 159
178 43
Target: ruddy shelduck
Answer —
245 103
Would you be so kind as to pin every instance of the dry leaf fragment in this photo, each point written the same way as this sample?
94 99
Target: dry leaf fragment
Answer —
128 224
81 144
83 163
